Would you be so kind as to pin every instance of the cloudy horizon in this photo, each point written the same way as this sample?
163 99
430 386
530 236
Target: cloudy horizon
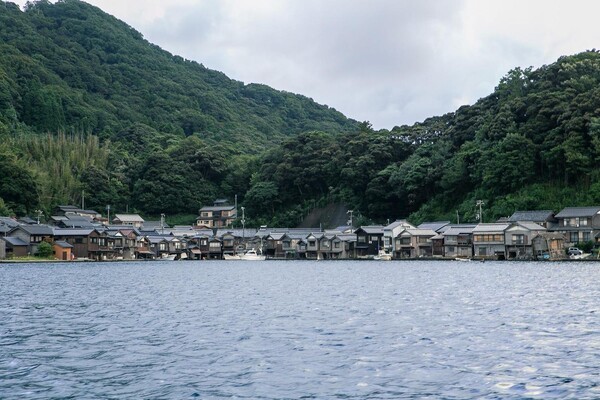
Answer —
390 62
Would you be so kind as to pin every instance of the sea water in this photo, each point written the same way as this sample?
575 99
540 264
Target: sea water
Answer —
300 329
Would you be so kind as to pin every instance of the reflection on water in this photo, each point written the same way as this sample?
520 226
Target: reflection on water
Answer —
277 330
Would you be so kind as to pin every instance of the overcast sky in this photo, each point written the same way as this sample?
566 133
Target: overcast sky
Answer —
390 62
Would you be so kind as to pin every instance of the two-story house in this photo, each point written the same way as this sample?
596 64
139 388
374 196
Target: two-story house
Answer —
458 241
220 215
518 238
33 235
369 240
391 231
412 243
578 224
128 220
488 240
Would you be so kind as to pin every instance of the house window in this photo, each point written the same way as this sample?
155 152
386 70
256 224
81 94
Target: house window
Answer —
204 214
215 245
586 237
518 239
325 244
312 243
162 246
583 222
362 239
483 251
487 238
95 240
102 241
451 239
450 249
574 237
373 239
203 242
336 245
405 241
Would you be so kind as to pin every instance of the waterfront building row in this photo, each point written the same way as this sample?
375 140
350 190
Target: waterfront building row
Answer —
524 235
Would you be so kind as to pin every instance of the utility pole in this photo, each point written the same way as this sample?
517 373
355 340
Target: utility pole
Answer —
479 204
108 214
350 220
457 218
243 221
83 199
39 214
162 223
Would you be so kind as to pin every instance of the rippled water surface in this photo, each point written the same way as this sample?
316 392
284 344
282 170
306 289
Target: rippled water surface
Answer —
277 330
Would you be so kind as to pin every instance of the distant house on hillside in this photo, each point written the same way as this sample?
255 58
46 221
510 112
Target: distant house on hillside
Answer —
221 214
129 220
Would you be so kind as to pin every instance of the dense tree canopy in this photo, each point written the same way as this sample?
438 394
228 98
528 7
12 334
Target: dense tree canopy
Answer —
88 107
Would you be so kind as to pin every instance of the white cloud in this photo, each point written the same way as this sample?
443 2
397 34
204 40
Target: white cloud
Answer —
390 62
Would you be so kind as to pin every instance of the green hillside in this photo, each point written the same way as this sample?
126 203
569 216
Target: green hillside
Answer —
534 143
70 68
88 105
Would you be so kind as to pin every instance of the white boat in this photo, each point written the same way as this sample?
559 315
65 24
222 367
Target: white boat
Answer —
231 257
252 255
462 259
384 256
168 257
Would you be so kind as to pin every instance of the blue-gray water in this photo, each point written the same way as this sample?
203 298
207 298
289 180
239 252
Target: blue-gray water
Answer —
288 330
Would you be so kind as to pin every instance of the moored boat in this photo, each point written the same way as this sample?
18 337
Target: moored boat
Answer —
252 255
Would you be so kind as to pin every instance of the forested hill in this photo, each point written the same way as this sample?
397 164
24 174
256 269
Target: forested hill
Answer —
88 105
71 68
534 143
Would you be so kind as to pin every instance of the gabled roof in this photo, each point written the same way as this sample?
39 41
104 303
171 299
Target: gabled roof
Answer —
63 244
434 226
129 218
490 227
72 232
216 208
574 212
535 216
418 232
239 233
400 222
455 230
277 235
371 229
14 241
532 226
36 229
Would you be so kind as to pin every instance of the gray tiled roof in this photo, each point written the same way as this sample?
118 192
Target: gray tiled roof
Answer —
574 212
434 226
14 241
37 229
535 216
372 229
72 232
501 227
